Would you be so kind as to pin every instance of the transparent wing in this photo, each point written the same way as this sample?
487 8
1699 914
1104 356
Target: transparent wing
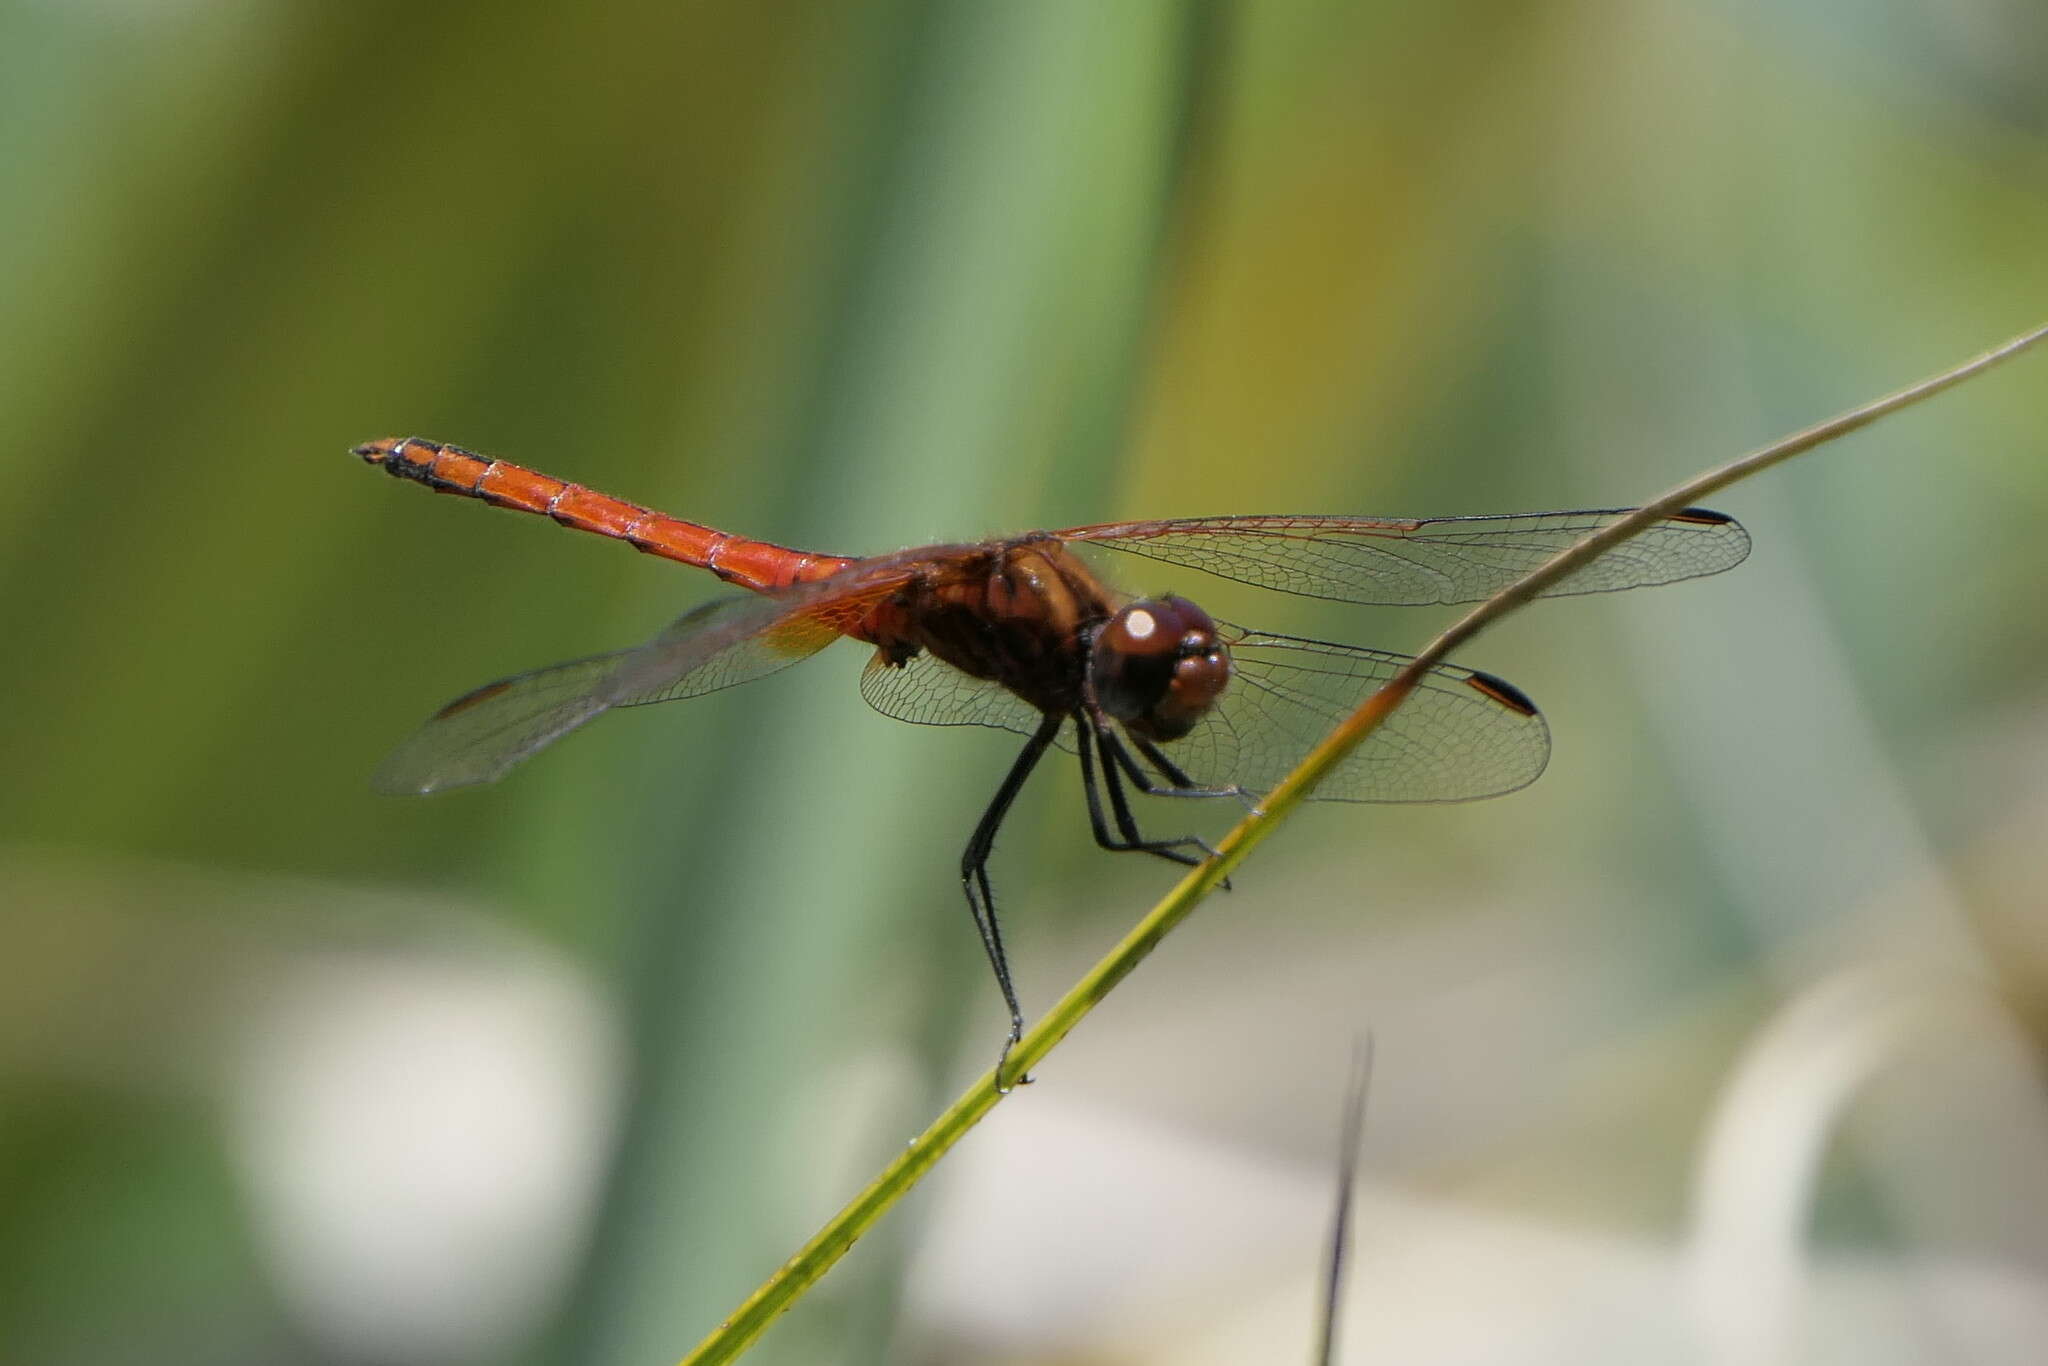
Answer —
728 641
1461 735
1396 562
480 735
929 692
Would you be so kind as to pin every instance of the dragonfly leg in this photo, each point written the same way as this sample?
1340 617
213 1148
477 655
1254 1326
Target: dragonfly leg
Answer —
1127 837
1181 784
981 900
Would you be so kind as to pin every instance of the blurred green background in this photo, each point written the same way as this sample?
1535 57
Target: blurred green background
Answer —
1723 1039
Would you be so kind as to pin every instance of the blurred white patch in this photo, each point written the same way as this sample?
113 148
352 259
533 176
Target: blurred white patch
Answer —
1785 1107
1139 1243
1115 1240
1080 1213
422 1136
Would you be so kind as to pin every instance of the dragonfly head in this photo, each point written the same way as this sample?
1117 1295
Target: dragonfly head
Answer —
1158 666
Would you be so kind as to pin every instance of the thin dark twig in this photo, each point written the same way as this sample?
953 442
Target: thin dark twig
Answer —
1352 1136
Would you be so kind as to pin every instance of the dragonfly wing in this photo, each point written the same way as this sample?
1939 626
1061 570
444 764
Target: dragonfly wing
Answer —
1417 562
480 735
724 642
927 691
1460 735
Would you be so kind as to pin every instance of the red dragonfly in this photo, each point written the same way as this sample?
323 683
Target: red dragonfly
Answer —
1019 633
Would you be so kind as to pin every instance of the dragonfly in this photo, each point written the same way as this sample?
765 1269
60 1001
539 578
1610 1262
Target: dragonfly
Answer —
1021 633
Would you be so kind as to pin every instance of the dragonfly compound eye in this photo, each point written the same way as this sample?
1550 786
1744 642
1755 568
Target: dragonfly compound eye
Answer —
1158 666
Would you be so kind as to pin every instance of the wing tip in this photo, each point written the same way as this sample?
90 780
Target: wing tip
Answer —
395 778
1501 691
1704 516
1736 533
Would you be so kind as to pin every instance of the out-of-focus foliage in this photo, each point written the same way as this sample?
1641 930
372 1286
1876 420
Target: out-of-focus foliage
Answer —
557 1070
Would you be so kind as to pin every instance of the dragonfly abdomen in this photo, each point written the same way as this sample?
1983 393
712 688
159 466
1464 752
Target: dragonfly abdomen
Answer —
758 565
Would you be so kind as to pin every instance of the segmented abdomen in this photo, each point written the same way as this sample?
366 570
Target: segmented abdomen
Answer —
758 565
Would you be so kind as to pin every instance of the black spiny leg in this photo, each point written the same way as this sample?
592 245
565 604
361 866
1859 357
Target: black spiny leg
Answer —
1181 785
1100 739
981 900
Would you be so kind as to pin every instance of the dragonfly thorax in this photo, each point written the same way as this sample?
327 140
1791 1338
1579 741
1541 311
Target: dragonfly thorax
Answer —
1020 616
1158 665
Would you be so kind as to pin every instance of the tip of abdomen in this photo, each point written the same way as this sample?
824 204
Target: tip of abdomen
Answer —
392 450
